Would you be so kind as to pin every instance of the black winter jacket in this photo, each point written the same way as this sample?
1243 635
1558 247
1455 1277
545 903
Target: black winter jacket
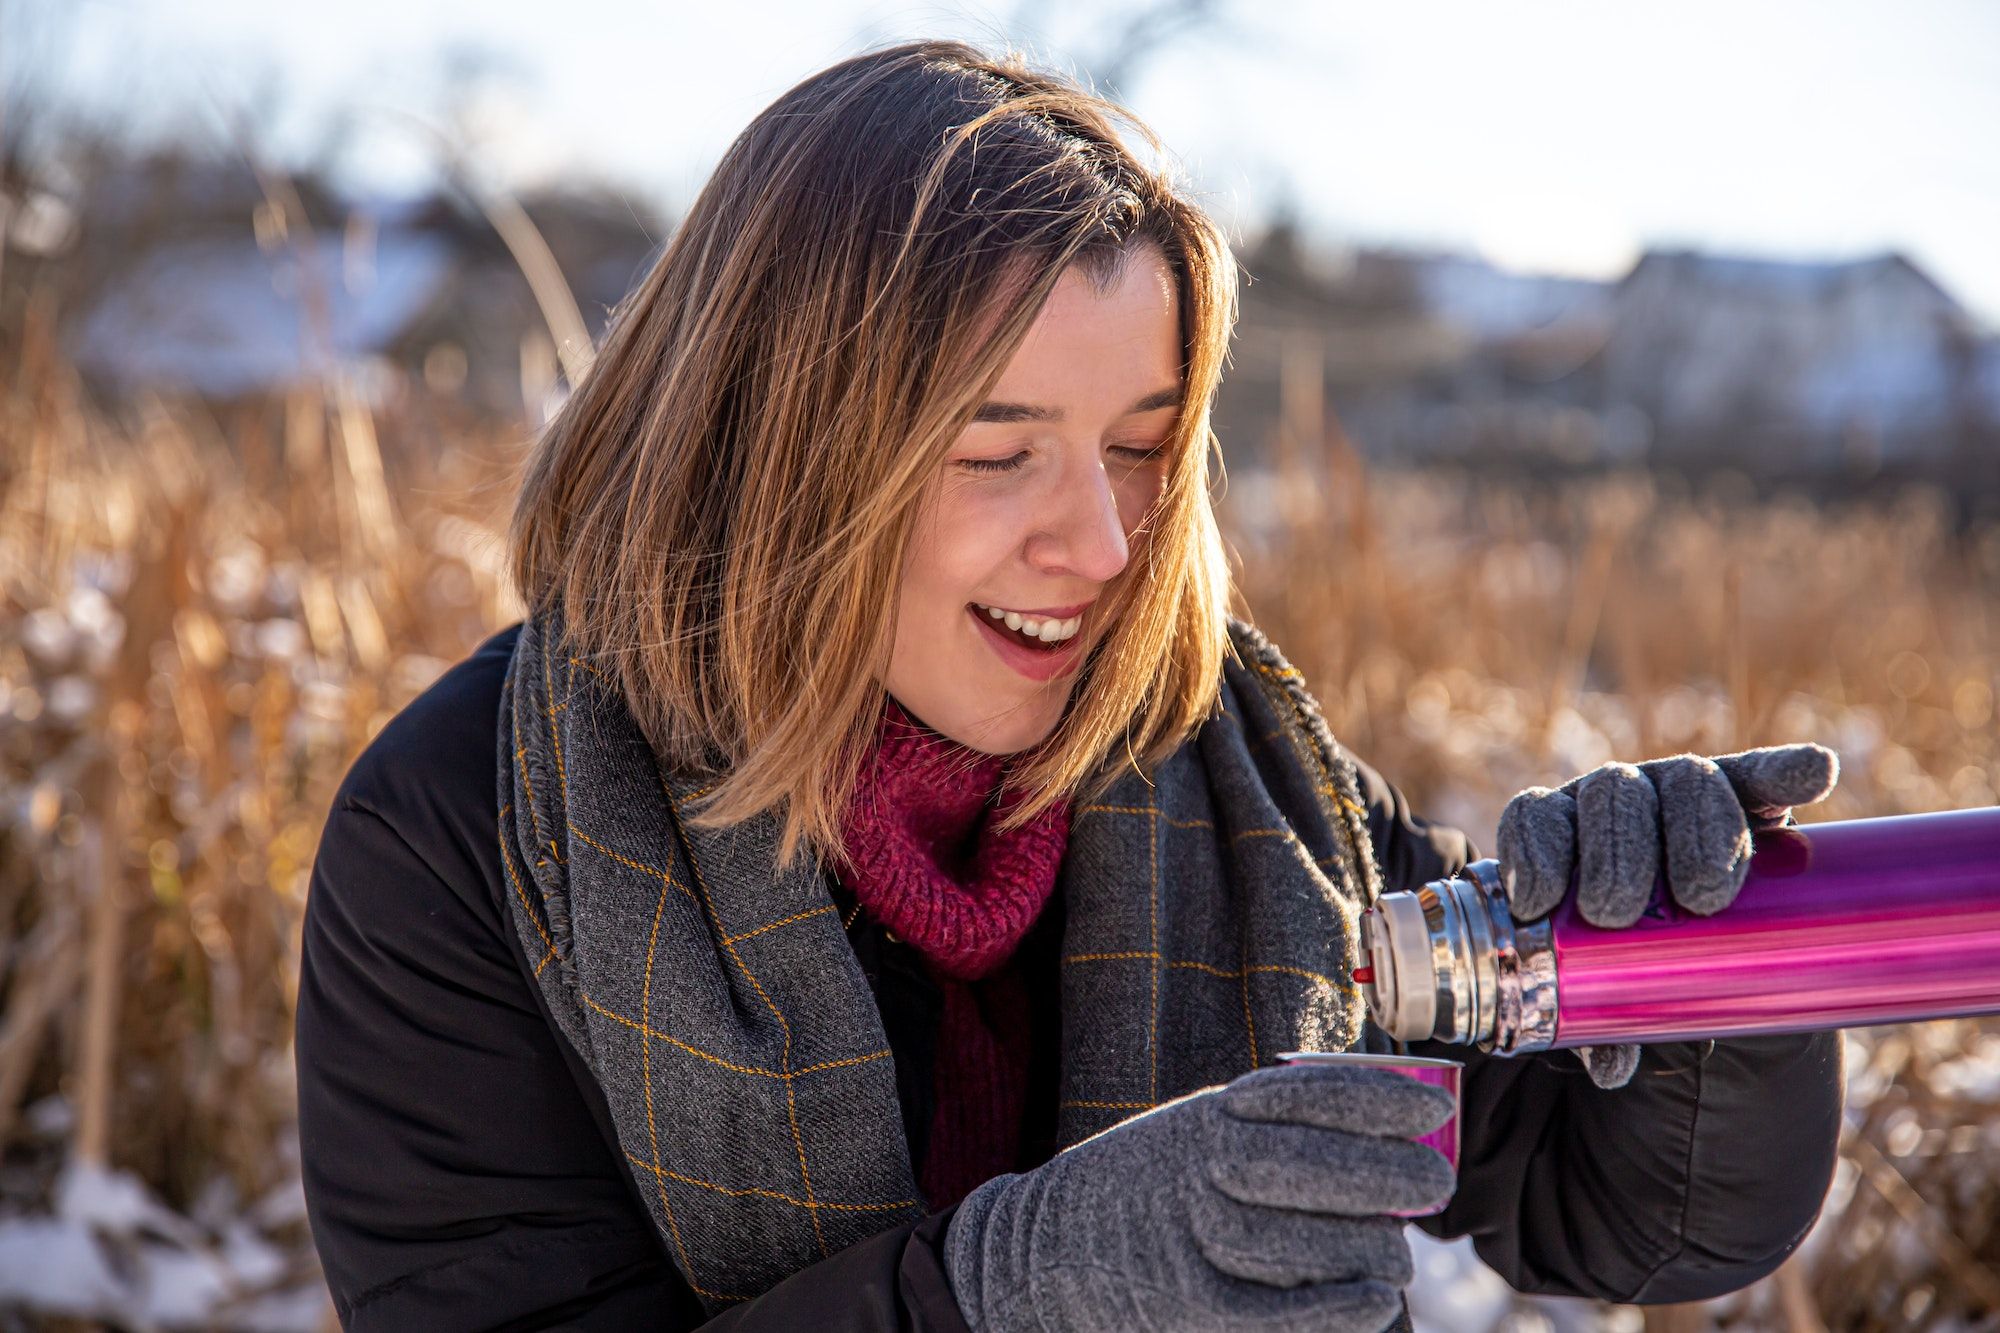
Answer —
461 1169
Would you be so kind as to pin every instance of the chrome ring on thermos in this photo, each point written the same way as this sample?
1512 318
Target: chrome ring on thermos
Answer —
1450 963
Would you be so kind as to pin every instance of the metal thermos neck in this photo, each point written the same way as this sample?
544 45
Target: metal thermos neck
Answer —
1451 964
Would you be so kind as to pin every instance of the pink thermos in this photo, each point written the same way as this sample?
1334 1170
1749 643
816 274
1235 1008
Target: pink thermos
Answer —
1837 925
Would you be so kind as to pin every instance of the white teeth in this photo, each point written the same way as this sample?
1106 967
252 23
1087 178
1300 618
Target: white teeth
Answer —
1048 631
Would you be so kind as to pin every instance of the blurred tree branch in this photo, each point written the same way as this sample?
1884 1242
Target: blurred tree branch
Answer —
1135 38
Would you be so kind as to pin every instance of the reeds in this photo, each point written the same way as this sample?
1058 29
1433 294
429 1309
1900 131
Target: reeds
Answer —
201 622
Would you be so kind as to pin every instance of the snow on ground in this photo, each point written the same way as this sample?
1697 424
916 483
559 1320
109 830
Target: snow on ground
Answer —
1453 1292
110 1250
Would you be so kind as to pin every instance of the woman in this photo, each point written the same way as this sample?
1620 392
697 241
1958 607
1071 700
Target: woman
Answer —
903 871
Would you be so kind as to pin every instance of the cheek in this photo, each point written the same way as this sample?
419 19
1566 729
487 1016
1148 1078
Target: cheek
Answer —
969 539
1138 492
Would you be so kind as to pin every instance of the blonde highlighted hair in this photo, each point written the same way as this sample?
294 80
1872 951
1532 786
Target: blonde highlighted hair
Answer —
723 504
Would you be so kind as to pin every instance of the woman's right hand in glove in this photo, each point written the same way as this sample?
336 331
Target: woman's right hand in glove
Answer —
1256 1204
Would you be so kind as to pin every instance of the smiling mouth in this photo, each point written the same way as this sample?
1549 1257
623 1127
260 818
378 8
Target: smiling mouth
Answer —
1019 635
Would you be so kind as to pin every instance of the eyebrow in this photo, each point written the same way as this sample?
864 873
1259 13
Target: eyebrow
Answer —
1003 413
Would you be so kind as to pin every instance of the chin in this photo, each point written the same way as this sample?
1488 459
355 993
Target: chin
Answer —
1012 733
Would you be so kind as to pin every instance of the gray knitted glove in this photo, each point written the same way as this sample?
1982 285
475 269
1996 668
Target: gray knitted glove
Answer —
1255 1204
1608 828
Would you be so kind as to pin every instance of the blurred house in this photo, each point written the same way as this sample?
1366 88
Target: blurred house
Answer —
1493 303
1826 366
1830 373
193 282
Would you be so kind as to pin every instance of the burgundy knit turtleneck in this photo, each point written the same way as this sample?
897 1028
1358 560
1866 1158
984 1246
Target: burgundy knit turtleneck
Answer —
926 860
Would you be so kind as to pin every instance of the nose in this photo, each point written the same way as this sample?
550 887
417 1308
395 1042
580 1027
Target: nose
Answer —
1083 534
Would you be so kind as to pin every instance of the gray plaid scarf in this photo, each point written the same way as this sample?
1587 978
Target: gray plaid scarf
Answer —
1210 924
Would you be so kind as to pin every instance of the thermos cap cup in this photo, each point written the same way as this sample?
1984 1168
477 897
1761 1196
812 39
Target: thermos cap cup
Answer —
1438 1073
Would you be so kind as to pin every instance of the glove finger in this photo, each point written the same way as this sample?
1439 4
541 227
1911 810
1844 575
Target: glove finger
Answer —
1617 844
1324 1171
1281 1248
1706 834
1326 1307
1774 778
1537 846
1355 1099
1609 1066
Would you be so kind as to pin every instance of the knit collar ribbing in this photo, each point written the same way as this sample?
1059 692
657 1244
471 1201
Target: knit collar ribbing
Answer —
925 856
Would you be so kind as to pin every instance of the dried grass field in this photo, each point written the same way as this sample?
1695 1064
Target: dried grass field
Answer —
203 618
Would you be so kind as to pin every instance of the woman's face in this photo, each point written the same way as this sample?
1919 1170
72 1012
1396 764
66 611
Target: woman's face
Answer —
1034 512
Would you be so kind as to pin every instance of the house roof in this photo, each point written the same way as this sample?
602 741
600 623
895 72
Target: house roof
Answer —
1796 279
218 315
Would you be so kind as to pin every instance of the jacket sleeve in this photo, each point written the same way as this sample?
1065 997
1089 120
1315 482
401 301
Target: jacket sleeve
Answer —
1696 1178
892 1281
455 1176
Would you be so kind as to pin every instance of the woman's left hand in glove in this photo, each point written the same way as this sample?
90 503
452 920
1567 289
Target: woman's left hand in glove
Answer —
1610 829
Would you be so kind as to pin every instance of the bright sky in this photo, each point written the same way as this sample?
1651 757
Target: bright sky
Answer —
1548 136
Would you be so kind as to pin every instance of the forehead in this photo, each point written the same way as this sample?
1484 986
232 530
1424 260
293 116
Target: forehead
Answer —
1087 343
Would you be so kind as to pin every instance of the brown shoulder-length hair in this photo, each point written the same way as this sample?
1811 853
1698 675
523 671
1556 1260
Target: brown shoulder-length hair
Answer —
723 504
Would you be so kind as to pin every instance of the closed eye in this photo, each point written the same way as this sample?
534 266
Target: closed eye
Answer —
1007 464
1132 455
